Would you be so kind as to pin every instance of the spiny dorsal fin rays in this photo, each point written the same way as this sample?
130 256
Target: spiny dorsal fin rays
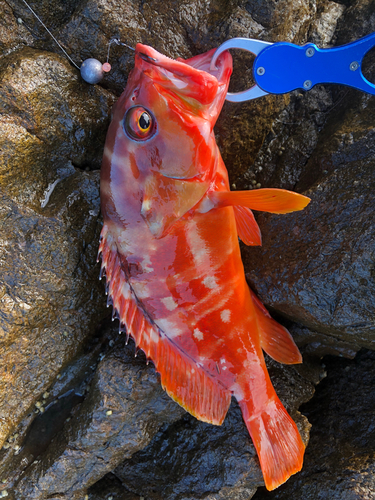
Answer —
277 201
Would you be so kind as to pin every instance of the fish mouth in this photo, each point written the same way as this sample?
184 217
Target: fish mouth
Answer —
222 69
193 68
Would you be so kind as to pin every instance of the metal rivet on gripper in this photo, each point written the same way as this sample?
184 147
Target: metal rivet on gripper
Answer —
310 52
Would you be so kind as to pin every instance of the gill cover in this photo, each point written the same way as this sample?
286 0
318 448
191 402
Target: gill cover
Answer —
166 119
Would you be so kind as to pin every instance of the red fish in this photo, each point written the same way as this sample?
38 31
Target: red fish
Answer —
170 253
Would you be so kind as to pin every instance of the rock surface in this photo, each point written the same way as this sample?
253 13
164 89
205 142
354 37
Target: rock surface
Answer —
124 408
49 213
340 458
315 267
190 459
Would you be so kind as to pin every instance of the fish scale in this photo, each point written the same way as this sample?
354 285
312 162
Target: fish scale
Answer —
171 257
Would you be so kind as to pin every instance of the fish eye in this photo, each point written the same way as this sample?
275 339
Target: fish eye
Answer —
139 124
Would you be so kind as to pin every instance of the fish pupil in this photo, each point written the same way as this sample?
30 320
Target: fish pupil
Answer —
144 121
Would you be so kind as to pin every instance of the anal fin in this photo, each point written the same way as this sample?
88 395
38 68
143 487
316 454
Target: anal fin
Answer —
274 338
184 381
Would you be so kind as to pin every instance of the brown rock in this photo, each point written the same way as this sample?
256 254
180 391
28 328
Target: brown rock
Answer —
123 411
49 209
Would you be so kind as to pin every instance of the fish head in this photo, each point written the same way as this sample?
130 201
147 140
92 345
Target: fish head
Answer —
160 143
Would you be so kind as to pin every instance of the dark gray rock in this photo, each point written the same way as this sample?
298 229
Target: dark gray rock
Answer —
340 458
190 459
317 266
52 127
124 409
110 487
50 297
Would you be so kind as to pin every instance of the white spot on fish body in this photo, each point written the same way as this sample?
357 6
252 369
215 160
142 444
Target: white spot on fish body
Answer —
210 282
146 205
198 247
198 334
225 315
169 303
170 328
142 290
154 336
205 206
146 264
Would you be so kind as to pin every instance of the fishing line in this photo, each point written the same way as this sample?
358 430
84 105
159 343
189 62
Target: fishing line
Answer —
50 34
92 70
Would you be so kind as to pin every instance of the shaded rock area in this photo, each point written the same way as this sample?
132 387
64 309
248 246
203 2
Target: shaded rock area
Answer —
80 418
190 459
322 274
340 458
124 408
110 487
49 215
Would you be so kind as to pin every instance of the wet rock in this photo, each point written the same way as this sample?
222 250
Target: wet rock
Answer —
190 459
50 298
123 411
12 32
44 423
316 345
50 121
316 266
340 461
52 128
324 27
110 488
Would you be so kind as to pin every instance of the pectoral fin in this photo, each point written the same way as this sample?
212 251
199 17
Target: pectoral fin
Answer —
277 201
166 200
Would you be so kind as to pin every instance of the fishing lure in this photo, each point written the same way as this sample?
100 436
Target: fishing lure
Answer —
170 253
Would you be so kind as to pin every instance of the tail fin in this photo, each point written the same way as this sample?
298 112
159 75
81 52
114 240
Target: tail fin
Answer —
277 441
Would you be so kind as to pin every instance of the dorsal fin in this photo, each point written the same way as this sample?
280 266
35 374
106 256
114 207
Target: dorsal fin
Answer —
274 338
180 375
247 227
277 201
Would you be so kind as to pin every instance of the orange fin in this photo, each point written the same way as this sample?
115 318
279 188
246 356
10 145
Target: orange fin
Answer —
247 227
277 201
274 338
184 381
277 441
